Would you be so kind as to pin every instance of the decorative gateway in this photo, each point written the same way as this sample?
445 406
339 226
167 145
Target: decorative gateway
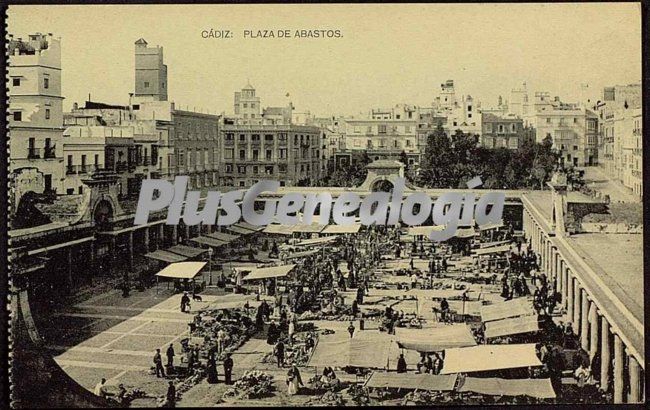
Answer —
381 208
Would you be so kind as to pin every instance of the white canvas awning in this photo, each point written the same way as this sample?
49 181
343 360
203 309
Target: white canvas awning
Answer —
270 272
278 229
465 232
312 228
165 256
511 326
412 381
363 352
493 249
510 308
538 388
181 270
424 230
316 241
341 229
489 357
490 226
435 339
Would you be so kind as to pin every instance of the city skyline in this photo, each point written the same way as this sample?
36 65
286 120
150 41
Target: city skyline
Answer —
319 72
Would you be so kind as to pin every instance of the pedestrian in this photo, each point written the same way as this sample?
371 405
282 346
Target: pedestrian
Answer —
351 329
157 361
221 340
279 353
294 381
227 368
272 334
185 300
121 395
444 310
401 364
355 308
100 388
170 355
171 394
213 375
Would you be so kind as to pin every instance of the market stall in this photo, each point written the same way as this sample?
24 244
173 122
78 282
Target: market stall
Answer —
165 256
522 306
512 326
411 381
341 229
269 272
489 357
493 386
184 271
435 339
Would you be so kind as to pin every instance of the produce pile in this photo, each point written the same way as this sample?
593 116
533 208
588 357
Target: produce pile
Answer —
359 395
253 384
235 322
328 399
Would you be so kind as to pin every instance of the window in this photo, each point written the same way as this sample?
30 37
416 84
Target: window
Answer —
242 154
256 169
46 82
230 137
469 108
283 153
513 127
397 116
500 127
548 120
228 168
575 147
469 115
245 105
229 153
269 154
18 116
382 129
268 137
242 183
16 82
163 85
241 169
146 84
47 113
255 137
575 120
256 155
268 170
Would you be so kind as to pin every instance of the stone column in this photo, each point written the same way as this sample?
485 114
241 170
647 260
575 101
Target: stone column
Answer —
584 321
91 257
593 330
576 305
636 395
605 355
130 246
69 277
113 252
187 233
146 239
174 234
619 364
570 293
161 236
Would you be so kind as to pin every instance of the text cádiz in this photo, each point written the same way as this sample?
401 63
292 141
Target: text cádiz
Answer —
318 33
381 208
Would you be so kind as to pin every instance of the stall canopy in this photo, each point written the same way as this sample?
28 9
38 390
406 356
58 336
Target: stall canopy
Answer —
250 227
493 249
511 308
435 339
226 237
206 240
371 353
270 272
181 270
511 326
165 256
240 230
296 255
316 241
489 357
492 244
411 381
278 229
465 232
538 388
341 229
490 226
187 251
424 230
311 228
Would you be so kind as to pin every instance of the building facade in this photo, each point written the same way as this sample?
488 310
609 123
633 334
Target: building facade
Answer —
503 132
290 154
35 116
150 73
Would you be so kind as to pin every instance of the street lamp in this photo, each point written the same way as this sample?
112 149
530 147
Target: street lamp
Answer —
210 264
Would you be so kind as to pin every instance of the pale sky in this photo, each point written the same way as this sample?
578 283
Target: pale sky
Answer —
388 54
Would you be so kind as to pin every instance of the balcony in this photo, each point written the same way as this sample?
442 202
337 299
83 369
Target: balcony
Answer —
33 153
49 153
78 169
229 143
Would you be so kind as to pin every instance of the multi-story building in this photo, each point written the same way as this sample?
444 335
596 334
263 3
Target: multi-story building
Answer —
35 116
503 131
287 153
108 138
247 105
150 73
572 128
632 151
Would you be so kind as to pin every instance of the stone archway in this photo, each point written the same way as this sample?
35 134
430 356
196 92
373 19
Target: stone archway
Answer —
382 185
383 172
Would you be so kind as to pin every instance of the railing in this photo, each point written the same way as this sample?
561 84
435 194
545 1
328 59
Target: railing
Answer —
49 153
33 153
80 169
